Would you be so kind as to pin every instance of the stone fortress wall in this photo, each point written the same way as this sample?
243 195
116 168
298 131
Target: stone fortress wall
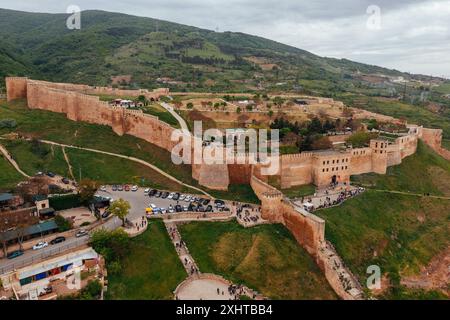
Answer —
319 168
79 106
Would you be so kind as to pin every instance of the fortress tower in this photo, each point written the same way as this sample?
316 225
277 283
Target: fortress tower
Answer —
379 155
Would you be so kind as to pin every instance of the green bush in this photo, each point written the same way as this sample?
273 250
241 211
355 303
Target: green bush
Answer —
8 123
63 223
65 202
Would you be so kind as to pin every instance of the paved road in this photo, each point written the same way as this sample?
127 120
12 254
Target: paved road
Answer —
180 120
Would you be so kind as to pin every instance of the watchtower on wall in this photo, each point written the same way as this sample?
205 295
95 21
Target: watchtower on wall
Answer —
379 155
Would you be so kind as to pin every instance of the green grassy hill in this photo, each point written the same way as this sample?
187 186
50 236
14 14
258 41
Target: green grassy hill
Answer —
398 232
110 44
266 258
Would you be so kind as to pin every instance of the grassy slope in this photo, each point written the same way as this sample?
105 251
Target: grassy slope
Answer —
266 258
112 170
56 127
151 270
400 233
424 172
31 162
9 177
162 114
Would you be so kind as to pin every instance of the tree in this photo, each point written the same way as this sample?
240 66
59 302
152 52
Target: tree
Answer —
321 143
120 208
238 110
270 113
87 190
190 105
360 139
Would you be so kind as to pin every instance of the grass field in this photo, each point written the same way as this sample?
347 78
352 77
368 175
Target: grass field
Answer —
41 157
398 232
266 258
151 270
237 192
162 114
423 172
9 177
113 170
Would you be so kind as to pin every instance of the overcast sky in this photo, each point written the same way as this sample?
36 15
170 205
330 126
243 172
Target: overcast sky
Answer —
409 35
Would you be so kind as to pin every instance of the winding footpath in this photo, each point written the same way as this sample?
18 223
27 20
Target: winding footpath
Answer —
180 120
12 161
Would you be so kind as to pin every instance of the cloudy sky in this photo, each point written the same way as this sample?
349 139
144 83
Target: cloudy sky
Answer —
409 35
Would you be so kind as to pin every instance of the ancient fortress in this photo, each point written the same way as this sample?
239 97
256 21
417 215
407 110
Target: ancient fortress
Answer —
79 103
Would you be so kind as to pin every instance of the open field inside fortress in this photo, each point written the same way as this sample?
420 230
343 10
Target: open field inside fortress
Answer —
399 232
266 258
151 269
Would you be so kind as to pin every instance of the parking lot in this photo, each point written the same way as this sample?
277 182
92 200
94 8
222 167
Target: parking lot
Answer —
162 202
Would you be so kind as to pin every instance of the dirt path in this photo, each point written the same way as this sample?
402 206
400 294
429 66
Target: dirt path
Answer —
436 275
145 163
12 161
66 157
411 194
180 120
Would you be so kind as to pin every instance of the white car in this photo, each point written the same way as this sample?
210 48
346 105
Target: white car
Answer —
134 188
147 190
182 197
170 196
153 206
40 245
163 210
103 188
188 198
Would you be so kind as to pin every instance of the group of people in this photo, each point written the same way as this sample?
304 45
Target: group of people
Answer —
247 213
330 202
141 224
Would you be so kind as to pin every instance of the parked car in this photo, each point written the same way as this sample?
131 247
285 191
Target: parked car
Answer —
164 195
153 206
219 203
81 233
114 187
14 254
57 240
146 190
103 188
206 202
171 209
65 180
51 174
178 208
134 188
170 196
176 196
163 210
200 208
185 208
152 192
187 198
119 187
40 245
158 194
209 208
126 188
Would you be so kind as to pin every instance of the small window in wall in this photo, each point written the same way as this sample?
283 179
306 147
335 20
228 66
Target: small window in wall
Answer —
327 169
332 169
346 167
337 161
323 170
324 163
328 162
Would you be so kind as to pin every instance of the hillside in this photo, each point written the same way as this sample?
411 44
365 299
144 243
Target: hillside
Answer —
398 229
114 44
